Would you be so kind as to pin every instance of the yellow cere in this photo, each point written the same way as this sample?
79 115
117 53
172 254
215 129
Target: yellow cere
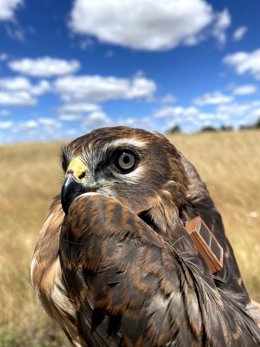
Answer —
79 168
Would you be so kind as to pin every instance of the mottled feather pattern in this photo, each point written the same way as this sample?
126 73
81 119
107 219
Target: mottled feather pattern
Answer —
132 273
200 203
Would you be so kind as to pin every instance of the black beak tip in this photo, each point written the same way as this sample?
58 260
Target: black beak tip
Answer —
69 191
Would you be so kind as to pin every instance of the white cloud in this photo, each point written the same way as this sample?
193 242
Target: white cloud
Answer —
238 109
18 91
36 130
214 98
8 8
168 99
244 62
246 89
49 122
86 43
97 119
3 57
75 111
71 133
15 33
79 108
147 24
240 113
6 125
239 33
223 21
30 124
191 118
17 98
44 67
4 113
41 88
93 120
98 88
176 112
15 83
70 117
145 122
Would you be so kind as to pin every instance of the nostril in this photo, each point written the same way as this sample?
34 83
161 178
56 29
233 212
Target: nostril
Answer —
82 175
70 171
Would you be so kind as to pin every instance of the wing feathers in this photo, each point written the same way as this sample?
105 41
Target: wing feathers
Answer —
120 268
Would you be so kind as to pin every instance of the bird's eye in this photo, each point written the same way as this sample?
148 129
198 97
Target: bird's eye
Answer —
125 161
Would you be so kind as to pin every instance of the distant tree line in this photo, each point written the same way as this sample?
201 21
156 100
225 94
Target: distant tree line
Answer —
176 129
254 126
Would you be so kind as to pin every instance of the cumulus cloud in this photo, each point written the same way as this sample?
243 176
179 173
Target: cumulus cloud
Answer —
17 98
40 127
41 88
241 113
239 109
97 119
244 62
70 117
168 99
153 24
18 91
16 83
79 108
98 88
49 122
30 124
246 89
44 67
192 118
176 112
6 124
8 8
214 98
223 21
23 84
34 129
239 33
75 111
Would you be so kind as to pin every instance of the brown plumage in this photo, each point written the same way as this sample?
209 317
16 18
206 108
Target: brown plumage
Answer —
118 268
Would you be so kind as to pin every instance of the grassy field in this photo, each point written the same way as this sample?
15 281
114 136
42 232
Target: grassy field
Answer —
30 176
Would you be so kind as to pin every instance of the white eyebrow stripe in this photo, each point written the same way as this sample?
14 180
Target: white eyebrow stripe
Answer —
127 142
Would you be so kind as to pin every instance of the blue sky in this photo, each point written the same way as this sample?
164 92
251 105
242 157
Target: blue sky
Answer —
67 67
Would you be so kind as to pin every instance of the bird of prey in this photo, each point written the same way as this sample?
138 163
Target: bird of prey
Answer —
115 265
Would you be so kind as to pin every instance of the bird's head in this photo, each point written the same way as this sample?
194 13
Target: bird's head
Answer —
141 170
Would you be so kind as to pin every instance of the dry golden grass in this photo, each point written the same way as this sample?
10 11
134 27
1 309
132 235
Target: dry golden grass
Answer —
30 177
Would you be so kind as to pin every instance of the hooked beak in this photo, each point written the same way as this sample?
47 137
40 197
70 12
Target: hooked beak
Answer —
73 185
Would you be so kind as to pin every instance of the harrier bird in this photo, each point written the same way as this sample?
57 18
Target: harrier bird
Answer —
116 264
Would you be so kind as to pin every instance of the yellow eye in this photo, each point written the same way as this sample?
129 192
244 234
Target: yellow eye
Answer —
126 161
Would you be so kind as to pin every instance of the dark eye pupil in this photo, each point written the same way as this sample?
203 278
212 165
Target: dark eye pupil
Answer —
126 159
